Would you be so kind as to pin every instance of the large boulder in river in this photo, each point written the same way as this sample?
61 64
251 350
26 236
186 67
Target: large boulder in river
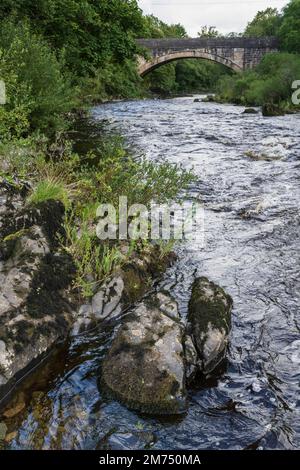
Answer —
144 367
209 325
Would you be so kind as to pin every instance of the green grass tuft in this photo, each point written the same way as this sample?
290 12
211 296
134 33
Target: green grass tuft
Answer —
48 189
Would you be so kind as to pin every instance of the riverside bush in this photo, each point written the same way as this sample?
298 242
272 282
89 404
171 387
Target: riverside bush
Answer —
113 80
38 91
269 84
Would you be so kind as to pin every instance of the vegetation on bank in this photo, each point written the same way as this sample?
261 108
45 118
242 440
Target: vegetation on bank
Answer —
270 84
81 184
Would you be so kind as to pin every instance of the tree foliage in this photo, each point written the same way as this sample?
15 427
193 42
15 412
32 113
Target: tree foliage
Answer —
155 28
38 90
270 83
289 32
208 32
44 43
265 23
88 32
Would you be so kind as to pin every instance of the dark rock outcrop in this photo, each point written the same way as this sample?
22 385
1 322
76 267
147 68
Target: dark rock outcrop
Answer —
38 305
209 324
35 280
144 367
250 111
153 356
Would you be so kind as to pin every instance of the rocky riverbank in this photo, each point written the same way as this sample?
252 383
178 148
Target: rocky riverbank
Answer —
38 303
154 355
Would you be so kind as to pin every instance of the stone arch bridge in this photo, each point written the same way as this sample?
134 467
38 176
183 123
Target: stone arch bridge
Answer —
236 53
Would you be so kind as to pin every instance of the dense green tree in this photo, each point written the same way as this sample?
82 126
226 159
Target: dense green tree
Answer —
265 23
162 80
289 32
270 83
38 89
88 32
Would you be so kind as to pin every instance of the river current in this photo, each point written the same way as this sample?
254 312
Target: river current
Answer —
248 178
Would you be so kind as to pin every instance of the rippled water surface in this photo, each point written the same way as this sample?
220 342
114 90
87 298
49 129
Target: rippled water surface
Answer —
248 171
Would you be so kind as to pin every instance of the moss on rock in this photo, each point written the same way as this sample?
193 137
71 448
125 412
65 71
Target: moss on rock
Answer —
209 322
144 368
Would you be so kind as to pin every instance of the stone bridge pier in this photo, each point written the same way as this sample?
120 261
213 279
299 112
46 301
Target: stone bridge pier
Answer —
236 53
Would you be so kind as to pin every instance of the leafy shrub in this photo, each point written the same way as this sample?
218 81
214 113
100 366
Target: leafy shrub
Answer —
270 83
113 80
265 23
38 93
87 31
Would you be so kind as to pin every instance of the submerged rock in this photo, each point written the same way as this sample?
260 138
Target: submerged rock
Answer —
144 368
209 322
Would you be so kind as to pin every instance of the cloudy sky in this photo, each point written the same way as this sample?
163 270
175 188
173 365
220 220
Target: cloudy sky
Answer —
225 15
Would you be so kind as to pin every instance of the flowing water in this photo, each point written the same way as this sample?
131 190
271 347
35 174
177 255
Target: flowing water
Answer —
248 170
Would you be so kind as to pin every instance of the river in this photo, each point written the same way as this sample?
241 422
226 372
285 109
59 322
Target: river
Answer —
248 170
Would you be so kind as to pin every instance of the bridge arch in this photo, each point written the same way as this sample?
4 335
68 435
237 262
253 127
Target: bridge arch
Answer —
146 66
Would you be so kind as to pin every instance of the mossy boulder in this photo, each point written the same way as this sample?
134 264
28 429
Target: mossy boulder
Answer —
144 368
209 322
270 109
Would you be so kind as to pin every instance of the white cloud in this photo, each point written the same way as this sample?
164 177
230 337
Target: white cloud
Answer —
225 15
